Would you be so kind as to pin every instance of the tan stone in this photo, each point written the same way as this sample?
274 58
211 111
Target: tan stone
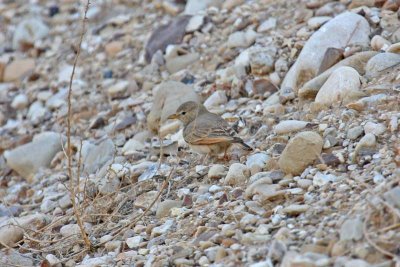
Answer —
18 69
114 48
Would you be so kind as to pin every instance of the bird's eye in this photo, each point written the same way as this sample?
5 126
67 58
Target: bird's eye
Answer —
183 112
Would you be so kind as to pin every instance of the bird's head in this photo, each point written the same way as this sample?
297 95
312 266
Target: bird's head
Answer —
188 112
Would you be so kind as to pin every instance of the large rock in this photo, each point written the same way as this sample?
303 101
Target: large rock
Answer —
300 152
356 61
28 158
342 86
18 69
28 32
380 64
12 230
96 155
168 97
344 30
171 33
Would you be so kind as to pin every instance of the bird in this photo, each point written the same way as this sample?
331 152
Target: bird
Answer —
206 132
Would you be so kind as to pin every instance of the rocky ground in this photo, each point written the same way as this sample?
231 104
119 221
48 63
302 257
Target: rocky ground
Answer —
312 86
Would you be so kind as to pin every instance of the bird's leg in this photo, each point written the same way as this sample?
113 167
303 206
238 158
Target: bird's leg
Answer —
226 156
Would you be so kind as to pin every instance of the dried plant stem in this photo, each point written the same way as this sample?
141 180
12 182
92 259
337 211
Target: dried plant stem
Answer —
69 147
132 224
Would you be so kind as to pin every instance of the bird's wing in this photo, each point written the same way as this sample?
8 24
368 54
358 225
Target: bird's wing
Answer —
209 129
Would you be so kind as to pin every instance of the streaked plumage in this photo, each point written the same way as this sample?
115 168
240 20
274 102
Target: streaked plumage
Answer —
206 132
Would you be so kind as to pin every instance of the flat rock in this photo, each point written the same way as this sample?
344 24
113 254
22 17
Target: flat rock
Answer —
300 152
168 97
295 209
18 69
380 64
343 85
171 33
352 229
288 126
344 30
29 158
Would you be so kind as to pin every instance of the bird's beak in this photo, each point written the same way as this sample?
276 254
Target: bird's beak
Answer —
173 116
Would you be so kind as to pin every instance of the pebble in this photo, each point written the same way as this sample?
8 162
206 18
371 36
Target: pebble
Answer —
241 39
132 146
18 69
134 242
316 22
285 127
377 64
256 162
195 23
352 229
355 132
216 171
20 102
267 25
374 128
379 43
295 209
343 85
321 179
164 207
216 99
393 196
118 90
113 48
237 174
300 152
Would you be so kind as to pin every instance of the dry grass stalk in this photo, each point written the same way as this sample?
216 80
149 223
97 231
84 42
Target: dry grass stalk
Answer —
69 147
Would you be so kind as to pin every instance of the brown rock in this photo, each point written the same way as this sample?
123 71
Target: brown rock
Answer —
113 48
172 33
300 152
18 69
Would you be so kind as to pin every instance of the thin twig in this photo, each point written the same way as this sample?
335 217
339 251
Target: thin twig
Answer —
69 148
372 243
129 226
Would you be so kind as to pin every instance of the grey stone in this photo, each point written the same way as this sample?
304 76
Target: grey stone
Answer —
352 229
96 155
29 158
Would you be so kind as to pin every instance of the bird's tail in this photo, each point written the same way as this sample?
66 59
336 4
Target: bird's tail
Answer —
242 143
